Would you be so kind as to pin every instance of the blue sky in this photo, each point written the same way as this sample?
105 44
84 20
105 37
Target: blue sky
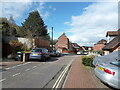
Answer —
83 22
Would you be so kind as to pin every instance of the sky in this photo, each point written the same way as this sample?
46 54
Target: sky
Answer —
84 23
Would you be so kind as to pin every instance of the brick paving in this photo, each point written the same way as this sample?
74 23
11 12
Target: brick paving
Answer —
79 77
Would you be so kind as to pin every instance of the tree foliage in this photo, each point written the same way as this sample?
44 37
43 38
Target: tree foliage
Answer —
34 26
8 27
16 46
53 42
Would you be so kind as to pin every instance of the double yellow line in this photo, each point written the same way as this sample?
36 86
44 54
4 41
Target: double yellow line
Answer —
57 83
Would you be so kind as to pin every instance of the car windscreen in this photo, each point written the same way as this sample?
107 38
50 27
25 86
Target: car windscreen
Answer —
115 63
36 50
54 51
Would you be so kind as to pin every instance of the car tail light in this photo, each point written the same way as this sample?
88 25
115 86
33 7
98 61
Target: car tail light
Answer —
41 53
96 64
109 72
101 64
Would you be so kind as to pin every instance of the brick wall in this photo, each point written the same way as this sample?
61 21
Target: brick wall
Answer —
98 47
63 42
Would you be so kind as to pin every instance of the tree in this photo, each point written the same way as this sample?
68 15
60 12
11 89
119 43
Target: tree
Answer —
16 46
54 41
11 20
8 27
5 26
35 25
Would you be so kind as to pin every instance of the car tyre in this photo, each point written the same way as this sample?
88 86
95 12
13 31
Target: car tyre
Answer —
43 59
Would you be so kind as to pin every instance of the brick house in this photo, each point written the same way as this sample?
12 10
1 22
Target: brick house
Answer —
76 48
99 45
113 42
85 48
63 44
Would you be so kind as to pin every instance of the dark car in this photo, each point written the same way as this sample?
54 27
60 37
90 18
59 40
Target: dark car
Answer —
55 53
39 53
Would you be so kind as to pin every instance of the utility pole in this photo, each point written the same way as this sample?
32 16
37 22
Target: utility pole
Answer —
52 38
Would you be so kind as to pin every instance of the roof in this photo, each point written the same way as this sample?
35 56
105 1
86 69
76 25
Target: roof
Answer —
86 47
63 35
102 41
113 43
75 45
112 33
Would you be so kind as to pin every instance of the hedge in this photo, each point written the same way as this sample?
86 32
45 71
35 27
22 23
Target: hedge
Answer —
87 60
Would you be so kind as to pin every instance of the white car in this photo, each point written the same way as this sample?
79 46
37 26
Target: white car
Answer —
79 52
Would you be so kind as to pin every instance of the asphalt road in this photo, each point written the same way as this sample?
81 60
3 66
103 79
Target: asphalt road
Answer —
35 74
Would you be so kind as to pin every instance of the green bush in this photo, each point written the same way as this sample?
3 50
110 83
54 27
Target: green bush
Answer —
87 60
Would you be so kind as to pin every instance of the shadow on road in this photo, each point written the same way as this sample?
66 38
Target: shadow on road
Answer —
52 59
109 86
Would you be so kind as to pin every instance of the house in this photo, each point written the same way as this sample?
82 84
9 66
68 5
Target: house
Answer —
114 43
111 35
99 45
85 48
76 47
63 44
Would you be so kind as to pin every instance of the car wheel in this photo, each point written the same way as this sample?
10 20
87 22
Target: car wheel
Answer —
44 59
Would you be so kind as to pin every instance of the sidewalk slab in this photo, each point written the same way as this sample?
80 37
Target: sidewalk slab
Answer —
79 77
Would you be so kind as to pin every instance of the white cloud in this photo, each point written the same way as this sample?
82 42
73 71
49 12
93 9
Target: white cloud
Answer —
93 23
18 9
45 15
66 23
14 9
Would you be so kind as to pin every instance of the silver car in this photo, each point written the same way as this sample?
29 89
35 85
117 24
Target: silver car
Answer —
109 73
40 54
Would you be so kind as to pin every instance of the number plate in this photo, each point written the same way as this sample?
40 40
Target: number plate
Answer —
35 54
100 68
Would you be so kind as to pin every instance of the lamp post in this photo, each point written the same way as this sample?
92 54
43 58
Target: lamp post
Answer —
52 38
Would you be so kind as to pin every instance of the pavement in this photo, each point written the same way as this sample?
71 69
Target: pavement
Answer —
81 77
9 64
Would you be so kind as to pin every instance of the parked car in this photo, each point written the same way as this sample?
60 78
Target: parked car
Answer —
80 52
109 73
39 53
19 56
112 57
55 53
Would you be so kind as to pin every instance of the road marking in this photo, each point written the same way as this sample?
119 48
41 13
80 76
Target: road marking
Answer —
34 66
59 78
16 74
17 65
27 69
2 80
57 83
